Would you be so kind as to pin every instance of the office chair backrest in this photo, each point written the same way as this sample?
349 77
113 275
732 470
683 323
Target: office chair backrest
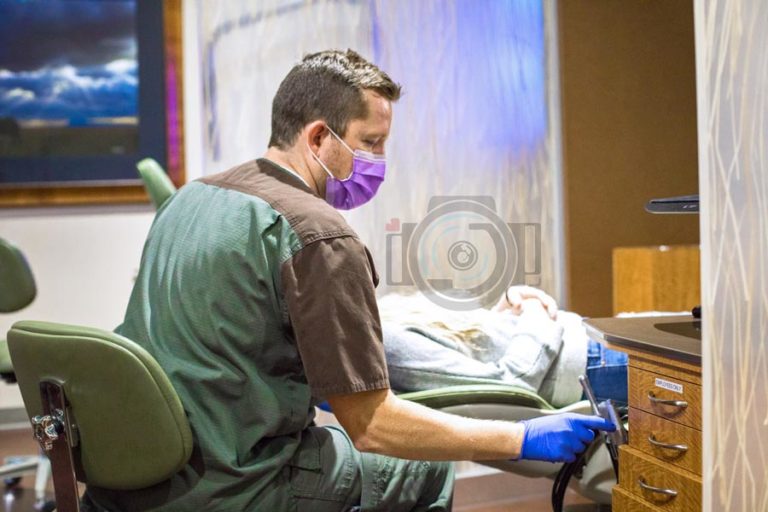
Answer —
157 183
17 285
131 430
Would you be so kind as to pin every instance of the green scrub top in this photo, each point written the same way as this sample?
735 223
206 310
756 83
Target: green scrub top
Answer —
257 299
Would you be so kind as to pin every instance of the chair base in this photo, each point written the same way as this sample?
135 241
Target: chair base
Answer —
56 435
19 466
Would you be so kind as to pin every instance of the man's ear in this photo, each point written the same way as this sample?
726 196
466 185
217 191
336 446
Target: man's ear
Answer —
315 132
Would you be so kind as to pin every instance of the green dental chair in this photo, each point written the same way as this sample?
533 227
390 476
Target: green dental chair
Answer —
101 407
511 403
17 291
156 181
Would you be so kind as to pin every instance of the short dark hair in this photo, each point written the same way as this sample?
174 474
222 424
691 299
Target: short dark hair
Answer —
326 85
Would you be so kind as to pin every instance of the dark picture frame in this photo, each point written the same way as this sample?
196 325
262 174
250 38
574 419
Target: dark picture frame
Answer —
112 178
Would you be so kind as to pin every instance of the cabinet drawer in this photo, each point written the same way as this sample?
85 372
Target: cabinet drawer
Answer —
646 477
623 501
648 432
665 396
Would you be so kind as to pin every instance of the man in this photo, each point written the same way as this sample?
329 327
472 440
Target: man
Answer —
258 300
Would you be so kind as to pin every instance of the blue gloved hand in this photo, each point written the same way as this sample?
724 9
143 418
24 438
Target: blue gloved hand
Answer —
561 437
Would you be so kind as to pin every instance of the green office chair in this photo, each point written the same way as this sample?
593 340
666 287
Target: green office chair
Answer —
17 291
101 407
156 181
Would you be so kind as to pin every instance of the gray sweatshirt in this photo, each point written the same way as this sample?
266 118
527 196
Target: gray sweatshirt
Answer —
428 347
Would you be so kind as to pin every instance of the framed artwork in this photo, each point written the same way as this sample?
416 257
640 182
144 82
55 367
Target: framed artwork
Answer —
87 89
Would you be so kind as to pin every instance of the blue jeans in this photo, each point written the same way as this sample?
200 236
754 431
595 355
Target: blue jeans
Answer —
607 372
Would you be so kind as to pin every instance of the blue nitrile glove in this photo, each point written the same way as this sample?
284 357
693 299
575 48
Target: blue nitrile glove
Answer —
559 438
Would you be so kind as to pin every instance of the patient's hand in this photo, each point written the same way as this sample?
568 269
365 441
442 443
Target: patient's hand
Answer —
516 296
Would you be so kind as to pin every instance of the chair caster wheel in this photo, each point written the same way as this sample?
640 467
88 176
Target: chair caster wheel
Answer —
12 482
48 506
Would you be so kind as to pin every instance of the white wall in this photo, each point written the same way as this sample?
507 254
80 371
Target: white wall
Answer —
478 129
85 258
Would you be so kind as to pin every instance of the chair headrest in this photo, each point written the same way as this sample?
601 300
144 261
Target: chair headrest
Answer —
157 183
17 284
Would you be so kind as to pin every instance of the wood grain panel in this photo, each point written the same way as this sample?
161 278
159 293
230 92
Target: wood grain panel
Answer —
58 196
645 425
628 86
676 369
623 501
658 278
637 466
642 384
174 90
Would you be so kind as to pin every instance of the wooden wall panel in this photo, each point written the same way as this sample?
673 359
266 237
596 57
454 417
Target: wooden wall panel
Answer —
658 278
629 134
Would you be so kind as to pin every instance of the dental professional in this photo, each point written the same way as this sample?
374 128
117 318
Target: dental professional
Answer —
257 299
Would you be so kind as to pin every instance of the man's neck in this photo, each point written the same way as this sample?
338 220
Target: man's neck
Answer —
292 162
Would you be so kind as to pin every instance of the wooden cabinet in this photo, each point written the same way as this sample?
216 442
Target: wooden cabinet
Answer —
655 482
625 501
660 468
665 396
666 440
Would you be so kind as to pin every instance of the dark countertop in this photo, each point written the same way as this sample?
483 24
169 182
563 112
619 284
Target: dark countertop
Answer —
678 336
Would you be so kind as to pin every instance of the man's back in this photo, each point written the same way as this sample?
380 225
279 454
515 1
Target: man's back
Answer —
208 304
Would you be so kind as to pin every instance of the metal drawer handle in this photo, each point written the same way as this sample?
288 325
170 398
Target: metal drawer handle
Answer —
659 490
678 447
682 404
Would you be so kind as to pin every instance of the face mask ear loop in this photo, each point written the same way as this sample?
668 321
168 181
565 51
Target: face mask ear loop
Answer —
340 140
317 159
348 149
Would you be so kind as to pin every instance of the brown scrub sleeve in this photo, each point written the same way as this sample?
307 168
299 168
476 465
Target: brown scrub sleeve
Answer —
329 290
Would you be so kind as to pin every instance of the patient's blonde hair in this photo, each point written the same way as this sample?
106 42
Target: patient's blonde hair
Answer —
416 310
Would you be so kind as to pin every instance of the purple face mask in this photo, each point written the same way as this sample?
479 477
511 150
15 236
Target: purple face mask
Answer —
367 174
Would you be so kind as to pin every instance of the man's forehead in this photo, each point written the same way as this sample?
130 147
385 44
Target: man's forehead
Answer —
378 106
379 116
